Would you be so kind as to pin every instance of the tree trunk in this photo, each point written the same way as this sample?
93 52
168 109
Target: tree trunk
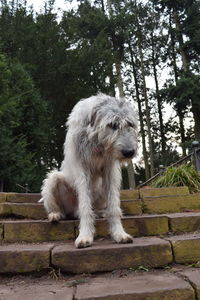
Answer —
118 54
119 76
142 130
1 185
196 114
130 169
151 151
183 53
180 112
158 98
182 128
186 68
150 140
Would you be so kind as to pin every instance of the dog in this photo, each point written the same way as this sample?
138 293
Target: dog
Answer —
101 134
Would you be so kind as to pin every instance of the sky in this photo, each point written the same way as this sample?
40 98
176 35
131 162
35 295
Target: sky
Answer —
59 4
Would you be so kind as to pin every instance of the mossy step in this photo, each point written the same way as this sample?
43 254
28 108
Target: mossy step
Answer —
186 248
23 210
150 205
17 258
107 256
171 204
43 230
149 252
102 256
35 197
145 225
166 191
36 210
184 222
124 194
20 197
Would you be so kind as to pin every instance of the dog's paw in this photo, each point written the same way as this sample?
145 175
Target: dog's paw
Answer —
54 216
83 241
123 238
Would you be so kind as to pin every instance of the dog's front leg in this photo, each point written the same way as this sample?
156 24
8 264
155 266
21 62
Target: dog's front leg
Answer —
85 211
111 183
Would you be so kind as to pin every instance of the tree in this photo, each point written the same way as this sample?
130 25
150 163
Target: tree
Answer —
24 134
182 13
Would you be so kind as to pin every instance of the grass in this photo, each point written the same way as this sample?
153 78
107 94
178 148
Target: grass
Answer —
183 175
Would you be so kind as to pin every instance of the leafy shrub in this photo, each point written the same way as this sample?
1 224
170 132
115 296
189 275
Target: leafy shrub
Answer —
183 175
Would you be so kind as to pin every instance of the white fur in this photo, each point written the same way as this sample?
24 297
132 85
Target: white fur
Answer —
101 129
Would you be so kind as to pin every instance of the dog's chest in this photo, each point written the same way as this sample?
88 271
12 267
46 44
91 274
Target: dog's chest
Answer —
97 165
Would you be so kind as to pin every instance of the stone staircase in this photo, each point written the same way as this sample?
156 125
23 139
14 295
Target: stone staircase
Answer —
165 224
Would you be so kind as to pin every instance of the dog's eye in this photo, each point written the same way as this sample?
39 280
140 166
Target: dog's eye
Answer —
131 124
113 126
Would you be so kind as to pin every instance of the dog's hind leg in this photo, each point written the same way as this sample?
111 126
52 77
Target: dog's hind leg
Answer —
58 198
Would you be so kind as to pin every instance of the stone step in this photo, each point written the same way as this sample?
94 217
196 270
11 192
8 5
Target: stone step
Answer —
35 197
43 230
103 256
23 210
125 194
36 210
106 256
145 225
20 197
171 204
138 287
150 205
24 258
167 191
186 248
183 284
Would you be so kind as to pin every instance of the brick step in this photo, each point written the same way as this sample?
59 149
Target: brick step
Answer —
182 284
137 226
125 194
103 256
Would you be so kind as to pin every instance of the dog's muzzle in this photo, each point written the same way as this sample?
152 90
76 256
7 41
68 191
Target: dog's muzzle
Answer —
128 153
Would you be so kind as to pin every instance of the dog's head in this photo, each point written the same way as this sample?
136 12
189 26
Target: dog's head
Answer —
114 125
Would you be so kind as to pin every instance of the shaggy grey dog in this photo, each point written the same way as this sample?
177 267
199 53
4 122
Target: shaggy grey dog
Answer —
102 133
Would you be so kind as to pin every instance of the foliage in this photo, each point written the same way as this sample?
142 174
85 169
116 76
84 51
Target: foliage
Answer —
183 175
23 135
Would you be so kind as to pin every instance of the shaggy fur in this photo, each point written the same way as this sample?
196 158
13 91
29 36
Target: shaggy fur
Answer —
102 133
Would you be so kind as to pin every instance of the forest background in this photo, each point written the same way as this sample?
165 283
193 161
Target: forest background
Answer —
147 51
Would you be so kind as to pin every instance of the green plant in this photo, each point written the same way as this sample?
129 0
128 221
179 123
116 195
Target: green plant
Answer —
183 175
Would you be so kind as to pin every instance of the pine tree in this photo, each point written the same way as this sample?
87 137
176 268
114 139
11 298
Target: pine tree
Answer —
24 134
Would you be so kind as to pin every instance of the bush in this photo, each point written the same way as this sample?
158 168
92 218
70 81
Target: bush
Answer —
183 175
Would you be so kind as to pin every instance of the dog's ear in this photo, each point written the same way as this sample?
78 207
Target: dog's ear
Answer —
93 116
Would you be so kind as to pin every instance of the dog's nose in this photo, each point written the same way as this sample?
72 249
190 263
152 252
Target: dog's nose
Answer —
128 153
